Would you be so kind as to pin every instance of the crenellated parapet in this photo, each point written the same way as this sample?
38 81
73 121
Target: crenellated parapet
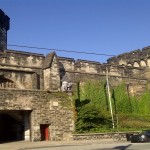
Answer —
84 70
28 81
48 72
136 58
86 66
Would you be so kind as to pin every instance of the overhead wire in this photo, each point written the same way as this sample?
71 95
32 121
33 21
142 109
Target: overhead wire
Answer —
68 51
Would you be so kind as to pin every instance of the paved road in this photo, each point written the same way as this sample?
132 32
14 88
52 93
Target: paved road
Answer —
75 145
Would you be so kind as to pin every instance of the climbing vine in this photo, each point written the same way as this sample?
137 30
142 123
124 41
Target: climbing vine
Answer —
121 99
93 112
63 97
92 106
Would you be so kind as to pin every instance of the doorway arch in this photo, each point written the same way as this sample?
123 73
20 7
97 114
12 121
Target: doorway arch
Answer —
14 125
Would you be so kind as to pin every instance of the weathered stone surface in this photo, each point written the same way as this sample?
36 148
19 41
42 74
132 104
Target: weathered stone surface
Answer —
24 75
4 26
96 136
58 117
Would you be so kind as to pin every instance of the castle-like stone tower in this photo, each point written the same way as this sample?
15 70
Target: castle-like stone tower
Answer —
4 27
31 104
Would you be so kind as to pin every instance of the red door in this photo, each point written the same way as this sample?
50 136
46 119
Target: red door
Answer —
44 128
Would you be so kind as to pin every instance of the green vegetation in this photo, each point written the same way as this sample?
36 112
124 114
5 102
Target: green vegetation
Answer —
92 111
64 99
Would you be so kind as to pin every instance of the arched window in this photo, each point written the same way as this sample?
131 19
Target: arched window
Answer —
142 63
148 62
136 64
129 64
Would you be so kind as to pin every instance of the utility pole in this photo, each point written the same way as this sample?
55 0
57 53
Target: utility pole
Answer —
109 98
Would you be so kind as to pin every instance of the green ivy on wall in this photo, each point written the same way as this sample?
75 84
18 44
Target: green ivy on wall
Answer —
64 99
92 108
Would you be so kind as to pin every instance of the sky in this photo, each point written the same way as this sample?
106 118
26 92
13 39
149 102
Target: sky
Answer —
109 27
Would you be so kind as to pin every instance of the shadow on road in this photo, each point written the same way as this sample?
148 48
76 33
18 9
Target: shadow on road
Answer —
122 147
115 148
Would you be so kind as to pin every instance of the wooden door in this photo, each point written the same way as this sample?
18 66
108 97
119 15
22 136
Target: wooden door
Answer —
44 128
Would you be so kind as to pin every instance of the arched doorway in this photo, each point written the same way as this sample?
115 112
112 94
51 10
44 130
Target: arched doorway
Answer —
13 125
10 129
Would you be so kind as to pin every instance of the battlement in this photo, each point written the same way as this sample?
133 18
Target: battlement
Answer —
135 58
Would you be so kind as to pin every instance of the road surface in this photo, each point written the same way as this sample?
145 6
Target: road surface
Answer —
75 145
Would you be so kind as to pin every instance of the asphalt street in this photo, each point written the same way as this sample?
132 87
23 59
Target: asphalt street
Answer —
75 145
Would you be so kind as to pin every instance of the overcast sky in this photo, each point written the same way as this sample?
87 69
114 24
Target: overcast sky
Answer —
107 27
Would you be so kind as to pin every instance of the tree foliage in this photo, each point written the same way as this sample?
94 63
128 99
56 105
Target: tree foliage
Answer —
92 106
93 112
121 99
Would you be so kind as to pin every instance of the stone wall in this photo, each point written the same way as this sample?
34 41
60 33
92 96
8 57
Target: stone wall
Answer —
22 72
22 60
47 72
51 70
46 108
66 63
23 68
3 39
136 58
83 70
4 26
98 136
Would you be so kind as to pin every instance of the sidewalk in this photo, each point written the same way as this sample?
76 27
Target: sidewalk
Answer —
22 145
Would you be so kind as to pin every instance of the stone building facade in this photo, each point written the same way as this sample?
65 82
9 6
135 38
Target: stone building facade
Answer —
32 106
